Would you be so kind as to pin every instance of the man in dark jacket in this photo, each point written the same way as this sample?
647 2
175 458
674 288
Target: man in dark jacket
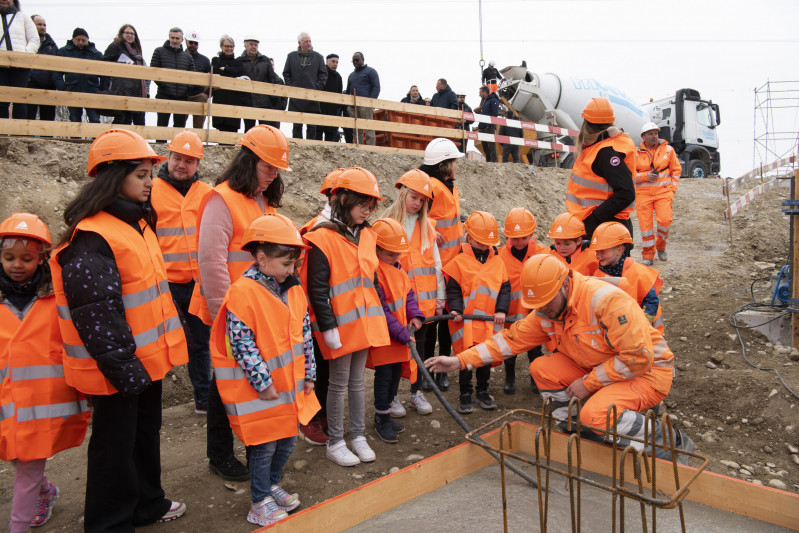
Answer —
334 84
79 47
172 55
363 82
201 64
444 97
257 67
491 76
305 68
489 107
42 79
463 106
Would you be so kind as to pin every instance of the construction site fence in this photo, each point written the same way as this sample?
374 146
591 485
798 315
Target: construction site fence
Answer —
768 175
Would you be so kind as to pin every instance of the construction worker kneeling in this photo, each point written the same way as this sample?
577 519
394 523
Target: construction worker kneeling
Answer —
607 351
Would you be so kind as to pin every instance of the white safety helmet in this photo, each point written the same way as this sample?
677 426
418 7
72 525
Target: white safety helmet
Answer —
492 63
649 126
439 150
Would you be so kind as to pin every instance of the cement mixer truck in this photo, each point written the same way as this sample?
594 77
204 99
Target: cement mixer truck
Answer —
686 121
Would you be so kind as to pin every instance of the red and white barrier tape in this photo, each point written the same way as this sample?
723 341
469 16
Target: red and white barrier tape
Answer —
731 185
532 143
748 198
499 121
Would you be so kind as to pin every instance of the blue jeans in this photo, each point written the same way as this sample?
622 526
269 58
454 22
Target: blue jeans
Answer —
266 462
199 353
76 115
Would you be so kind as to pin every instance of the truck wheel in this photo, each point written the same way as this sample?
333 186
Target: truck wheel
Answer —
568 162
697 169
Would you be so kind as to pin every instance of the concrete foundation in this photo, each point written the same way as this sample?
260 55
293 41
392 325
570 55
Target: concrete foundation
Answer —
775 331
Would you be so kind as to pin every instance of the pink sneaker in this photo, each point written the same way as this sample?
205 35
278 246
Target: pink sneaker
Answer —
44 506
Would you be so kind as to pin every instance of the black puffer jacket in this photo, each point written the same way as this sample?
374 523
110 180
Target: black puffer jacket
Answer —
445 98
176 59
258 68
229 66
43 78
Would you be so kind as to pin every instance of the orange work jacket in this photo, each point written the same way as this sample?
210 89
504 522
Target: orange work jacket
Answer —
359 314
586 190
149 310
603 330
243 210
514 268
582 261
40 414
446 211
421 269
662 158
177 228
480 284
277 326
637 280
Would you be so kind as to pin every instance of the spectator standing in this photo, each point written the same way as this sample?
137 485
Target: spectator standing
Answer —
489 107
334 84
79 47
126 48
510 152
445 96
305 68
228 65
491 76
41 79
198 93
171 55
257 67
20 35
413 96
463 106
363 82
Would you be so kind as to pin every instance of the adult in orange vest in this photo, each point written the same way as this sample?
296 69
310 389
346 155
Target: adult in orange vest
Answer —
248 188
612 244
626 362
422 264
121 331
441 164
176 196
521 245
601 186
347 317
41 414
656 180
569 244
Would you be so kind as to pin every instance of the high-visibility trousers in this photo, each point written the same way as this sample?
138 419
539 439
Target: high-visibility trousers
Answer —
650 238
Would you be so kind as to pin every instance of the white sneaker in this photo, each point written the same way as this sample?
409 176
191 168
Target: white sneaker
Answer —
341 455
397 410
421 404
362 449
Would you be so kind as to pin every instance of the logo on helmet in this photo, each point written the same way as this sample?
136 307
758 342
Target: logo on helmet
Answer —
530 293
402 240
491 235
517 227
559 230
376 189
187 146
21 225
426 187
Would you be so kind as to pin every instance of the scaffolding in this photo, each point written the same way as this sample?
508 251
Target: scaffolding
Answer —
776 121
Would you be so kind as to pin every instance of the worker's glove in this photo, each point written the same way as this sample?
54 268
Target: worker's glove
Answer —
332 339
649 317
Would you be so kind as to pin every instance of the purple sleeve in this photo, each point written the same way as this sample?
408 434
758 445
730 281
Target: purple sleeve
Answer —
412 307
396 331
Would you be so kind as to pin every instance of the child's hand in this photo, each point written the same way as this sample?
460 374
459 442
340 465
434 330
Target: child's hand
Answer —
332 339
309 385
441 303
416 323
458 317
268 394
499 318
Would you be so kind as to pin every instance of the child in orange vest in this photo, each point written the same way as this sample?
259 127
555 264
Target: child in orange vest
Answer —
612 243
399 304
477 284
32 378
568 244
263 361
521 245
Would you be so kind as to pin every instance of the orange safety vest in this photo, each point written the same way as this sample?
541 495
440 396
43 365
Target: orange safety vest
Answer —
40 414
243 210
638 281
446 211
587 190
353 298
177 228
582 261
480 284
277 326
309 225
149 310
421 269
514 268
662 158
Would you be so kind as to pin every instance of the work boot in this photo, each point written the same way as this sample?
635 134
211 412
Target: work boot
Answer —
426 386
663 256
465 403
229 469
485 401
384 428
397 427
684 443
510 382
646 262
442 381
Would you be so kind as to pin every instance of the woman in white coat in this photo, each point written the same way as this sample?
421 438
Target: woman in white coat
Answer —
18 34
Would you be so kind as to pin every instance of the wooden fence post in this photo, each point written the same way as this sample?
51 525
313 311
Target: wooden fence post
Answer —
793 261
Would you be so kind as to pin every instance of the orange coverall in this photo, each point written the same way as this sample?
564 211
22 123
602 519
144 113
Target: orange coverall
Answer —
655 195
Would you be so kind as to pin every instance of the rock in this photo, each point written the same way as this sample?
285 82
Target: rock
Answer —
687 424
711 365
794 356
300 465
414 457
771 465
777 484
708 348
357 476
710 437
744 421
707 334
393 469
762 265
732 336
795 459
435 424
773 393
231 486
793 449
730 464
756 482
717 357
682 366
757 421
768 449
744 472
683 339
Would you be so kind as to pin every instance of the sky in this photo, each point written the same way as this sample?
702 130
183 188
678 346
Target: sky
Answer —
723 49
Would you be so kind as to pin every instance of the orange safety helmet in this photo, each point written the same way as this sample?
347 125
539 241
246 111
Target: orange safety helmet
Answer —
482 227
566 226
329 183
187 143
360 180
417 181
541 278
274 228
609 235
25 225
269 144
599 111
120 145
519 223
391 235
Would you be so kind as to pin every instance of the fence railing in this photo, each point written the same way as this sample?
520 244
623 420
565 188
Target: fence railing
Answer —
768 180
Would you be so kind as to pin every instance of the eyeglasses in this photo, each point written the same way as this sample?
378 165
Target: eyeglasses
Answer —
228 46
367 208
129 33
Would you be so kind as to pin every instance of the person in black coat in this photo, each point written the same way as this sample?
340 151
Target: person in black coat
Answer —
413 97
197 93
445 96
258 67
334 84
228 65
79 47
510 152
491 75
489 107
171 55
42 79
463 106
126 48
305 68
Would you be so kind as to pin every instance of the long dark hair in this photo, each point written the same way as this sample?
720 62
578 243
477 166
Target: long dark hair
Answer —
136 42
345 201
241 176
98 194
